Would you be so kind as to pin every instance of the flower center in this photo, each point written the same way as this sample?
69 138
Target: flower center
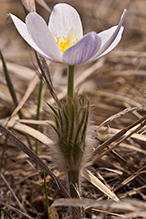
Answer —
64 43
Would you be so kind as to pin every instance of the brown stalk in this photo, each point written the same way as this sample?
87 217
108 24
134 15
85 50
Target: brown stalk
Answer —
124 138
29 6
15 209
12 192
117 136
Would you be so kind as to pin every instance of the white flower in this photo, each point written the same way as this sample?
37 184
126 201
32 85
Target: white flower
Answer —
62 40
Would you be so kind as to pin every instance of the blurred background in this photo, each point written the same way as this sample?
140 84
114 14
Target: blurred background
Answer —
114 83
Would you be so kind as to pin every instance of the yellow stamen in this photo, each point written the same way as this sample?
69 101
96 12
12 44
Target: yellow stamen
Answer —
64 43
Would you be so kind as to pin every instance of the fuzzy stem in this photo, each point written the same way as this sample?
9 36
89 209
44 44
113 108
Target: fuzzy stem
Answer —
71 82
73 178
73 175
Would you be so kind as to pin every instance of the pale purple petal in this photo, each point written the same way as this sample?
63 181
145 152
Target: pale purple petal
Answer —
83 50
110 38
64 18
42 36
22 29
114 44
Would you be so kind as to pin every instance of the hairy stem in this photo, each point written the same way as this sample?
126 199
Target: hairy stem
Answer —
73 178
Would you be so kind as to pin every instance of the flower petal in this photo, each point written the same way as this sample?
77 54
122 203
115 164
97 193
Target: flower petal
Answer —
22 29
64 18
110 38
83 50
42 36
114 43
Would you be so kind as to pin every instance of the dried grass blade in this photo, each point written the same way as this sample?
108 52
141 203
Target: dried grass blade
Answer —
115 116
28 130
44 5
141 121
22 72
124 99
14 139
124 204
29 6
115 131
81 202
53 213
15 209
98 184
130 178
108 213
12 192
128 134
87 203
46 74
136 207
29 90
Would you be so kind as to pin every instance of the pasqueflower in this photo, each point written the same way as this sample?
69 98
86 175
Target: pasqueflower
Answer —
62 40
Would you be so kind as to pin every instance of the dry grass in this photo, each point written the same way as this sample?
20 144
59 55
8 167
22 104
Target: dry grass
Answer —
116 86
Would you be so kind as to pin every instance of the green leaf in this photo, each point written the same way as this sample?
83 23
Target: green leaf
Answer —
53 110
7 214
12 91
46 194
9 83
38 110
56 130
